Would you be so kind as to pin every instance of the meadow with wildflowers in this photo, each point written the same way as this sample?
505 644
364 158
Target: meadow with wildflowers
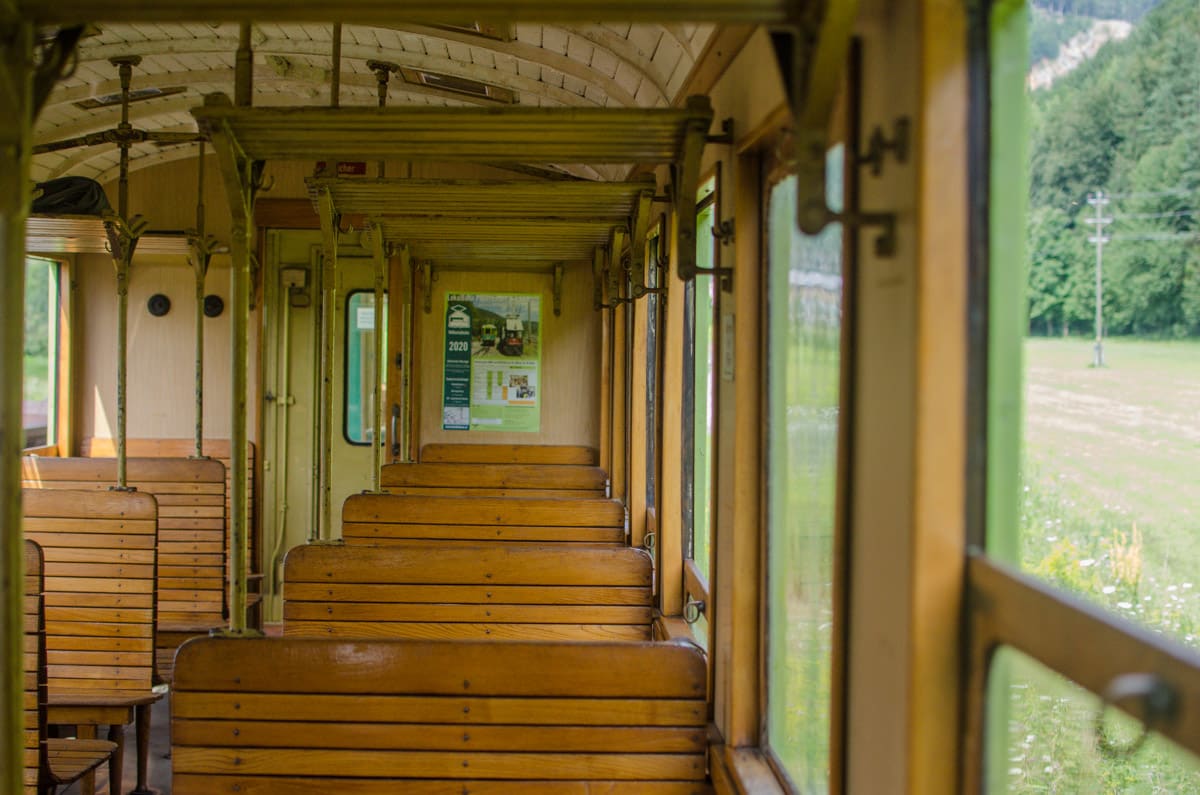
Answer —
1110 512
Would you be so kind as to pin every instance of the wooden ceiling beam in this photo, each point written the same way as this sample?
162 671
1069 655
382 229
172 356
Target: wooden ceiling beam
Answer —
391 12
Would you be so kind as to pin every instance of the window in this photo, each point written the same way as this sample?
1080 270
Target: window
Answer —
40 415
803 398
652 411
362 387
699 315
1092 358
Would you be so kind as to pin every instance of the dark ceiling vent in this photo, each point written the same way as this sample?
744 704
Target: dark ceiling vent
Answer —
495 32
136 95
460 85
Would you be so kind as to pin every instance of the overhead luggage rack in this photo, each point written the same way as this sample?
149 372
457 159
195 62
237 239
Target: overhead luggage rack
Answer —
487 135
93 234
482 199
469 223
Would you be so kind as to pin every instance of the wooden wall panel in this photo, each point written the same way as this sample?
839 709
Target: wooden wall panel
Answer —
570 358
161 399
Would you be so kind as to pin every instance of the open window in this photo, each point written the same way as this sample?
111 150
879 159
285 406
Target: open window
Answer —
46 367
1083 595
700 313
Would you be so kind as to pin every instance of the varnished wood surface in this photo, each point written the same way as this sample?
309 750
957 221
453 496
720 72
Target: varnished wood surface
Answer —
466 592
192 524
584 481
348 716
379 519
47 761
483 511
510 454
99 594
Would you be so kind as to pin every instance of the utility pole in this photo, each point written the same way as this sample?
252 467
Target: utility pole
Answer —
1099 201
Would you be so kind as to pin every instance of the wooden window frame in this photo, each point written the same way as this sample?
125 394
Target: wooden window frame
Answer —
64 360
1005 607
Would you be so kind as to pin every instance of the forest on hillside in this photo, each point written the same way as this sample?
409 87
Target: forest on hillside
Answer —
1125 123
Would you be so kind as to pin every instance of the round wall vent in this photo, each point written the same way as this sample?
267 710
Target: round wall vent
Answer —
159 305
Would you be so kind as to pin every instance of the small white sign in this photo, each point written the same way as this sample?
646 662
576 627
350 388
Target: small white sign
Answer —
365 319
728 338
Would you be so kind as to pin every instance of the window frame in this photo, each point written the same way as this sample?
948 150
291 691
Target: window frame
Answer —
62 445
381 345
1005 607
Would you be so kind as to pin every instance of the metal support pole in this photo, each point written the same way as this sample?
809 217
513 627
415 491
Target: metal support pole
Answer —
383 73
201 253
328 314
122 265
335 74
240 318
1099 201
242 177
16 94
243 70
377 436
123 259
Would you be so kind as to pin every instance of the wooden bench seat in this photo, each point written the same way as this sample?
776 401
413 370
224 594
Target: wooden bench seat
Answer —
491 591
51 762
494 480
510 454
285 716
99 553
191 534
391 518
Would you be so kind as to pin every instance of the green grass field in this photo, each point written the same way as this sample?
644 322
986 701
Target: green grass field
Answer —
1112 475
1111 512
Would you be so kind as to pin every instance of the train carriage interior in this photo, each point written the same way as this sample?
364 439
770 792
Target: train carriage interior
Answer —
622 396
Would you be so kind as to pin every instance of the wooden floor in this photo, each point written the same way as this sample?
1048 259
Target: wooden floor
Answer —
160 762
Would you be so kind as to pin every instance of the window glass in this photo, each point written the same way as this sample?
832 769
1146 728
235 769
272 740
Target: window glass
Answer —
703 302
652 370
1052 746
1110 314
804 378
1094 336
40 410
360 382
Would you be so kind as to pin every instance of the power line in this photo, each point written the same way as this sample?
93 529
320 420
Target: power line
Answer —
1176 214
1149 194
1157 236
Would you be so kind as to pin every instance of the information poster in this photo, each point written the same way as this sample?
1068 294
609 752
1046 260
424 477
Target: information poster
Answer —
492 362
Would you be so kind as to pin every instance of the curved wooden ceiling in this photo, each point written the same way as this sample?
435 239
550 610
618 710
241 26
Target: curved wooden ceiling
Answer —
611 65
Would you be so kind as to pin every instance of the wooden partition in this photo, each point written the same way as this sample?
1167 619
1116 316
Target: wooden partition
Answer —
56 761
191 534
423 717
511 454
219 449
494 480
392 519
492 591
99 552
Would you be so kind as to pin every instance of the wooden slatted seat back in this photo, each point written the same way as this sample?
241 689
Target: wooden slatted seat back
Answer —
496 591
494 480
574 455
285 715
99 552
191 533
390 518
33 703
219 449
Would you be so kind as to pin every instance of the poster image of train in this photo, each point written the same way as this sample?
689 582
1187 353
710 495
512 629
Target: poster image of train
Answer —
493 362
